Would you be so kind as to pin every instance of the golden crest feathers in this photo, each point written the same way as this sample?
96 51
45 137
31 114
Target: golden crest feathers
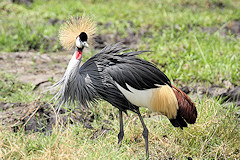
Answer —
73 27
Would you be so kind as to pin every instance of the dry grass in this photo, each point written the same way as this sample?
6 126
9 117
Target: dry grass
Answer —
215 135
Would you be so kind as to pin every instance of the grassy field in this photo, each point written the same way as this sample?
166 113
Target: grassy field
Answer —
193 42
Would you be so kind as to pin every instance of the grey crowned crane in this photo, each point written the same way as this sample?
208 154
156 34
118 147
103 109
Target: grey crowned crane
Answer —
119 77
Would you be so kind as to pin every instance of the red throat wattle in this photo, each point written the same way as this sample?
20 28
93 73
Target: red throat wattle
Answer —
79 54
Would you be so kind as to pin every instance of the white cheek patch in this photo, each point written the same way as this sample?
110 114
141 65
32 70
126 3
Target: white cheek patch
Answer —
78 43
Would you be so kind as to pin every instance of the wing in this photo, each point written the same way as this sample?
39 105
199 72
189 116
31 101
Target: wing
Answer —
109 66
137 73
126 68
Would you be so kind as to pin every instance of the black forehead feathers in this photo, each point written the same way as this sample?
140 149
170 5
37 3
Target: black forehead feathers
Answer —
83 36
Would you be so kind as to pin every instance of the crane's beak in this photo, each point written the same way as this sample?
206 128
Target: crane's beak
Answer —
85 44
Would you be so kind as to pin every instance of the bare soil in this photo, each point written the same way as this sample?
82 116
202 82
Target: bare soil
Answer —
230 28
32 67
131 38
40 117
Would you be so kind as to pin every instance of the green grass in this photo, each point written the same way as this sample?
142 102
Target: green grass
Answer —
197 57
182 48
215 135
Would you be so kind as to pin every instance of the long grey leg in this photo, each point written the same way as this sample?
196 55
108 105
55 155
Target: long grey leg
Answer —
145 133
121 133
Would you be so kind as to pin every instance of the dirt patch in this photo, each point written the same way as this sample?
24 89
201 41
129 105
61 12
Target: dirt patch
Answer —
34 67
228 93
130 38
24 2
232 27
40 117
55 21
217 4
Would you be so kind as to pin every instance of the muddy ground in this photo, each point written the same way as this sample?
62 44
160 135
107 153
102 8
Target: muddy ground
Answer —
40 69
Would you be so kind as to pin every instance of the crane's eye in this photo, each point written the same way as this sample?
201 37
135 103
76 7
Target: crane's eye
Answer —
83 37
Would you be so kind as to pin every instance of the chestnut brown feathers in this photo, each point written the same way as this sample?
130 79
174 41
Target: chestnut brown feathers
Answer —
187 109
